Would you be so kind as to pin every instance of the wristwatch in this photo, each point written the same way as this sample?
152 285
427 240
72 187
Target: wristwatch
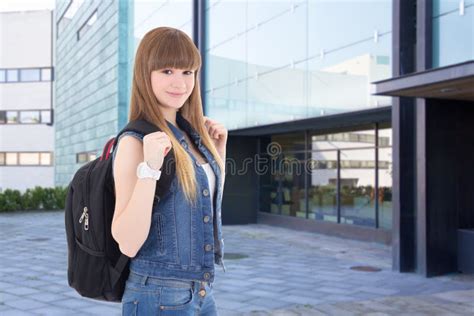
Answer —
145 171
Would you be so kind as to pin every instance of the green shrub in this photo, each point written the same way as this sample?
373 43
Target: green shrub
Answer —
37 198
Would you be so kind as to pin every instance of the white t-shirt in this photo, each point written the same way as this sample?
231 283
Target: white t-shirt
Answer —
211 179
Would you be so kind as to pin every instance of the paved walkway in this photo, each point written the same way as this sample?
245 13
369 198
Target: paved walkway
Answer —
286 272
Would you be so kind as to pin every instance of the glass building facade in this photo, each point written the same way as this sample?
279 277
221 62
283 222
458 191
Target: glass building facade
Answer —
453 32
341 177
276 61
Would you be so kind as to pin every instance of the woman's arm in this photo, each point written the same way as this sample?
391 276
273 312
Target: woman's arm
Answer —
133 198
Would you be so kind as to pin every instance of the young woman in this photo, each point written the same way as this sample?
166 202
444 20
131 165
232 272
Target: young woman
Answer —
173 241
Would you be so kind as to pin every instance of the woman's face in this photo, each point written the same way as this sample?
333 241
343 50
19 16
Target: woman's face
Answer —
172 86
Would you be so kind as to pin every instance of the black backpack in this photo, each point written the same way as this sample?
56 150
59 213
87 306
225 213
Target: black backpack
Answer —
96 267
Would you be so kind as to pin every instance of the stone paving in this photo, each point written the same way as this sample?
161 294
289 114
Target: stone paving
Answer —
286 272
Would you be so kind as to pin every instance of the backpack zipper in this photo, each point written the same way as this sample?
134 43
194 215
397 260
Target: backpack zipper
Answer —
85 214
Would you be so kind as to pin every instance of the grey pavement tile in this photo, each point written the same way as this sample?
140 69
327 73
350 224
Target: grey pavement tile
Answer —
21 290
104 310
268 303
25 304
300 299
15 312
45 297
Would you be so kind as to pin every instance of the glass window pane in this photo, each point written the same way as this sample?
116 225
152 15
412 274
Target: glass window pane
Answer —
29 116
453 32
81 157
385 181
12 75
45 159
351 139
29 75
11 159
46 74
29 158
322 185
12 117
45 116
87 25
291 190
358 187
288 142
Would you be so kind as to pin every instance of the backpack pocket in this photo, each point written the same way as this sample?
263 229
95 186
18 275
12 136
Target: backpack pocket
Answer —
89 267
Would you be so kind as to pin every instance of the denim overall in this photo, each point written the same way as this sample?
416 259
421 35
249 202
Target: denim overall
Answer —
176 262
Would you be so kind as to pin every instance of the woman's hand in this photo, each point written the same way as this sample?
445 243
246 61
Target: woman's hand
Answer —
155 147
218 134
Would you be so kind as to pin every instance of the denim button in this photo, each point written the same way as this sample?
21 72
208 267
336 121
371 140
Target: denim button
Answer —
197 163
207 275
206 219
205 192
208 247
202 293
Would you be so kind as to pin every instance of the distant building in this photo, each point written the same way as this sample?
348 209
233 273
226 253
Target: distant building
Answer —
26 100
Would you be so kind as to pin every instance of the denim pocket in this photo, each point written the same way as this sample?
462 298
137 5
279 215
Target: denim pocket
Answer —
129 308
174 298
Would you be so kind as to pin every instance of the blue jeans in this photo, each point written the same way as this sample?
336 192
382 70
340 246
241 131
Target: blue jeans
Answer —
145 295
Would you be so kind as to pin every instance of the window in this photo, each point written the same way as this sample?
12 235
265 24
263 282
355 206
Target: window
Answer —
3 75
25 117
12 116
29 158
46 74
29 117
45 116
26 158
87 25
12 75
29 75
68 15
45 159
86 156
11 159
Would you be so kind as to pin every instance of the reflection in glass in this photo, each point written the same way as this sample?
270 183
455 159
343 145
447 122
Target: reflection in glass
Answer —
358 187
322 189
249 84
12 117
453 32
385 181
29 117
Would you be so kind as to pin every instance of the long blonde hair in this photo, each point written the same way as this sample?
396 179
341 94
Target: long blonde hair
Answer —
166 47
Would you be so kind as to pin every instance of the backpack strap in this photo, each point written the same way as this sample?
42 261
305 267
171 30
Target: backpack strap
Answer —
168 170
119 267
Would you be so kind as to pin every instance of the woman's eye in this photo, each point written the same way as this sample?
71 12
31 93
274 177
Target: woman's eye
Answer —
189 72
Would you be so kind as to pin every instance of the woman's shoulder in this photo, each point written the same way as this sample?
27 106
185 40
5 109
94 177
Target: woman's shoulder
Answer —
131 133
